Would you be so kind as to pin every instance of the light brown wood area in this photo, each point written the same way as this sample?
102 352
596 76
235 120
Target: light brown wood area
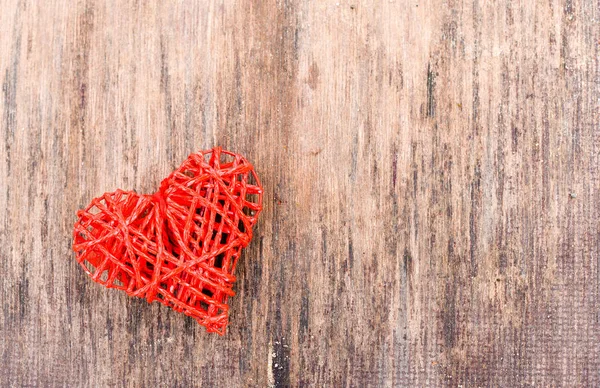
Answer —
431 174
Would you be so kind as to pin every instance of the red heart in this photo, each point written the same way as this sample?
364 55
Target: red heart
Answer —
180 245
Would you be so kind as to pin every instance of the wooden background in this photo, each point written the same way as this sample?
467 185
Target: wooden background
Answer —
431 170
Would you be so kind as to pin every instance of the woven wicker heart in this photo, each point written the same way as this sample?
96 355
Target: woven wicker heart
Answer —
180 245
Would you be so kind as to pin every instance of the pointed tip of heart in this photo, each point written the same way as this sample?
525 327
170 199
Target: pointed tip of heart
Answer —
179 246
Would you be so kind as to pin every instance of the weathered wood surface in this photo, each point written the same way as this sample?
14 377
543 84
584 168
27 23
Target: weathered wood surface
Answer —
432 181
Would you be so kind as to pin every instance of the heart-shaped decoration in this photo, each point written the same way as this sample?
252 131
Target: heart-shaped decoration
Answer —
180 245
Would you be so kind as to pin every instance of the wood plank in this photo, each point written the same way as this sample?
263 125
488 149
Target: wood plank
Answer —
432 185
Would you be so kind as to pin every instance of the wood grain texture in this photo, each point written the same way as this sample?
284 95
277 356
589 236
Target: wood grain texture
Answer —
432 185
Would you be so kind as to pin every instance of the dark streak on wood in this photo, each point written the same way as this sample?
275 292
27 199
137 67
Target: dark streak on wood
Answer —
9 88
430 92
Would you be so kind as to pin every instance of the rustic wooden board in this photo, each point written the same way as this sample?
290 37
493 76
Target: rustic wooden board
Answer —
432 184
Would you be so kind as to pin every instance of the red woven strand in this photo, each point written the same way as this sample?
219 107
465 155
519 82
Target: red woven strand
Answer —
180 245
